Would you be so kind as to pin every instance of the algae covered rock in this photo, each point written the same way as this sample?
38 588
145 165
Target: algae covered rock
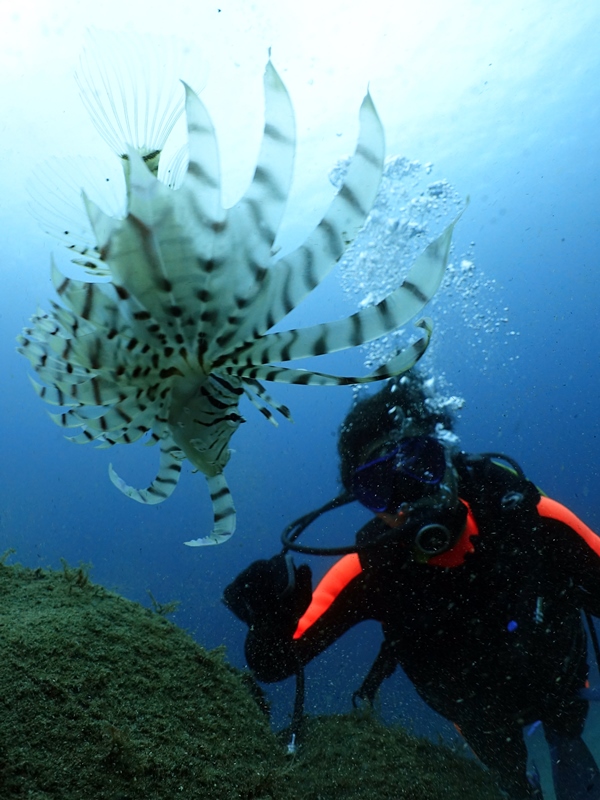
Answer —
355 757
102 698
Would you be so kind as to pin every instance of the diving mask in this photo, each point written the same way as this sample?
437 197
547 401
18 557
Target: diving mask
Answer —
411 470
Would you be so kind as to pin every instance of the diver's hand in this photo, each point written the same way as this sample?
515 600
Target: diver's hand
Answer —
270 593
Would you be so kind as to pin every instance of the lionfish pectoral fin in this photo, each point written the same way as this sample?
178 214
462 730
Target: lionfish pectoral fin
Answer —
162 486
401 362
202 181
259 397
293 277
223 513
427 272
405 359
102 224
395 310
52 394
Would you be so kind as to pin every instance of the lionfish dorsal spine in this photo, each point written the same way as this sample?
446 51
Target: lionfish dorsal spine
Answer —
253 222
295 275
365 325
202 183
261 208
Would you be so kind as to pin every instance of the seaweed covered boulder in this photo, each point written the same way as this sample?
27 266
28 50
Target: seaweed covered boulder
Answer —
355 757
103 699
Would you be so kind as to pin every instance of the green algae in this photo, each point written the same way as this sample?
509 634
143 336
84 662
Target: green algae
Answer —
355 757
103 699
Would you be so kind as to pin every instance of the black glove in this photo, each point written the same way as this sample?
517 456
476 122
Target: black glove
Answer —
273 593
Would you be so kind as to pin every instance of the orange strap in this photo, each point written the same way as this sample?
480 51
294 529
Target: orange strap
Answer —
338 577
550 508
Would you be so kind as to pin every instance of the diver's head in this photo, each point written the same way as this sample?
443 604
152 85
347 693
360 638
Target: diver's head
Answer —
396 453
405 406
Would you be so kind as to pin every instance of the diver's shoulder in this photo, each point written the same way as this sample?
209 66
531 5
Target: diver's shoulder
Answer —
494 483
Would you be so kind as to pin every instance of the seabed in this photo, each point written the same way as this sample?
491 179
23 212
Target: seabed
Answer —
107 700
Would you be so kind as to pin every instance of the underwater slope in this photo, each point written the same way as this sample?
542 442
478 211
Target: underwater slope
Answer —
105 699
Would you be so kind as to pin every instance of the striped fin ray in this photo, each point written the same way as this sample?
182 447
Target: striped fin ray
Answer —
396 309
261 208
92 352
401 362
91 389
127 415
223 513
214 244
127 436
163 484
53 395
59 322
48 366
252 223
152 259
71 418
93 265
69 383
89 367
108 307
260 399
201 186
89 301
67 325
293 277
94 430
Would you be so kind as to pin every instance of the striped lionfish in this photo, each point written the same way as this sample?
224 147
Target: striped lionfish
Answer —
172 327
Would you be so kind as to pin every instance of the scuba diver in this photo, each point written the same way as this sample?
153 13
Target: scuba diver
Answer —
478 580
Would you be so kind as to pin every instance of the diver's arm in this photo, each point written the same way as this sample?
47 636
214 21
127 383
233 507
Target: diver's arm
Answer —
274 655
288 631
576 548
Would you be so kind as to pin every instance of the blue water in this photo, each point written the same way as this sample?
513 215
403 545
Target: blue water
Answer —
507 106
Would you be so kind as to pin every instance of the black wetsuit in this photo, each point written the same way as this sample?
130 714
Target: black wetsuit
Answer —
494 642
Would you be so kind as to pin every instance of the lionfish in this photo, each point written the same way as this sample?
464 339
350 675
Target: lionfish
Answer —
169 327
